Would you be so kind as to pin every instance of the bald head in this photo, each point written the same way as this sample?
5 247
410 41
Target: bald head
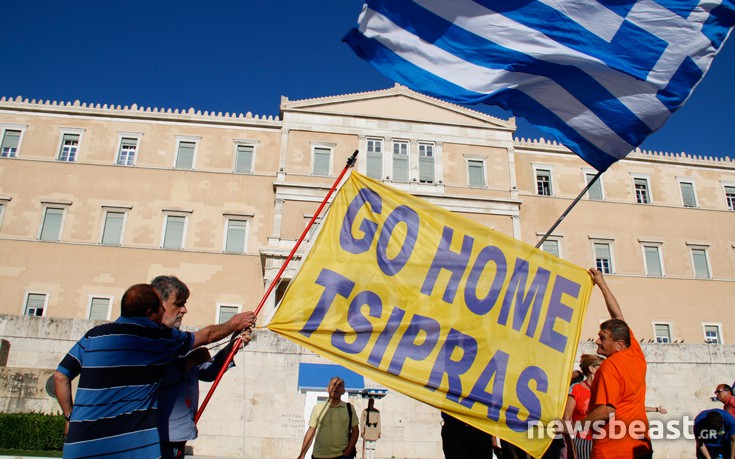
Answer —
141 300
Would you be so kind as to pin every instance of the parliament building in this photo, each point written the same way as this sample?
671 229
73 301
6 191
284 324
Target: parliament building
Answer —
95 198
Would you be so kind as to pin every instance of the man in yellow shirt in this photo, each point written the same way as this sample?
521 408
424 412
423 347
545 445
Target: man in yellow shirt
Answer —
330 423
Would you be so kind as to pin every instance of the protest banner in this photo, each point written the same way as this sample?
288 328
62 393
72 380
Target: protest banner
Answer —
440 308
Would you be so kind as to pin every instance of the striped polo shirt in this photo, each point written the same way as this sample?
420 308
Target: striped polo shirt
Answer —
119 366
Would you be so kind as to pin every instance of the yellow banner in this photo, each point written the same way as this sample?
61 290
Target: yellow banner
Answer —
440 308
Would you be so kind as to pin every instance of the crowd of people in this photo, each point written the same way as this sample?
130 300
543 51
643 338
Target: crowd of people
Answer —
139 376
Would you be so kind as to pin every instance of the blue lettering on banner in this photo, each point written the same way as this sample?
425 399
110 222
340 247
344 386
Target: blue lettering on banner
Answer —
495 370
346 239
411 346
557 309
401 214
334 284
359 323
528 399
453 368
482 306
445 258
524 297
381 344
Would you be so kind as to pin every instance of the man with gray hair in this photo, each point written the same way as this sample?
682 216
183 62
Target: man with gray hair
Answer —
179 392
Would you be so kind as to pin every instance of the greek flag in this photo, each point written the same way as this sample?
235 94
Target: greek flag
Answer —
599 75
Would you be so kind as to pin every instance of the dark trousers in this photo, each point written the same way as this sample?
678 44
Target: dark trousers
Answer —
170 450
462 441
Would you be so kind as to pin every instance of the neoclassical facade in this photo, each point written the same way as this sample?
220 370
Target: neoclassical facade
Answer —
95 198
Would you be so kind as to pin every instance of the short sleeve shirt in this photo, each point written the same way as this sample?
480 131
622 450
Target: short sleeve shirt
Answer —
621 382
332 428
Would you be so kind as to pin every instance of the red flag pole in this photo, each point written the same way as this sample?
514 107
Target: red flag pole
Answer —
350 163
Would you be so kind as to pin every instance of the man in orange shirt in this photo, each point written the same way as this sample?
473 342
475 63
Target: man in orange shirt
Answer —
617 403
724 394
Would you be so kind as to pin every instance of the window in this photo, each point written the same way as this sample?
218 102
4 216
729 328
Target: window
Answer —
236 236
426 163
244 158
3 202
173 233
652 258
551 246
476 173
700 262
185 155
595 191
113 228
641 190
543 182
314 228
688 198
374 163
322 160
226 312
99 307
712 334
127 151
69 147
603 260
35 304
662 332
51 224
400 161
9 145
730 197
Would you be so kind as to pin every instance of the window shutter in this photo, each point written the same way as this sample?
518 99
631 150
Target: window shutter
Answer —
400 168
687 195
476 173
35 304
10 143
226 313
374 166
98 308
602 251
174 236
244 159
321 161
426 169
595 191
185 156
236 231
51 228
112 233
701 270
653 261
663 333
551 247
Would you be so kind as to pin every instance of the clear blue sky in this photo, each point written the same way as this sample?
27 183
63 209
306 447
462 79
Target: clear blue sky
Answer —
242 55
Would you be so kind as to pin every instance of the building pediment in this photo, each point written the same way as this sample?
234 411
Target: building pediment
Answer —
397 104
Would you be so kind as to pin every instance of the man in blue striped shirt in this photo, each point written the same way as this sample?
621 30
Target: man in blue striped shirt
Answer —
120 364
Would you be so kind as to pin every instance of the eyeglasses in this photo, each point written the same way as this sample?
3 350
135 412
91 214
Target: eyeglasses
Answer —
720 390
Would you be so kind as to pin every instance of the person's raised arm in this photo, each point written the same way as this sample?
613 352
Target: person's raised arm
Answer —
213 333
612 304
62 388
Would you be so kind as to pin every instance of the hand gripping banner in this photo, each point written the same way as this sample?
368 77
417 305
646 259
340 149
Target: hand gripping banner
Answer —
440 308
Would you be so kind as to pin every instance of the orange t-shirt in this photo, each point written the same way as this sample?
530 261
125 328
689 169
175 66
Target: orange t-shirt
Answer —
621 382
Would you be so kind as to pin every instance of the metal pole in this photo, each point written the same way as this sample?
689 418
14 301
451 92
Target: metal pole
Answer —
574 203
350 162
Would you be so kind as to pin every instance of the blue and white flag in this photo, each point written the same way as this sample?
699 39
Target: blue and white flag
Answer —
599 75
